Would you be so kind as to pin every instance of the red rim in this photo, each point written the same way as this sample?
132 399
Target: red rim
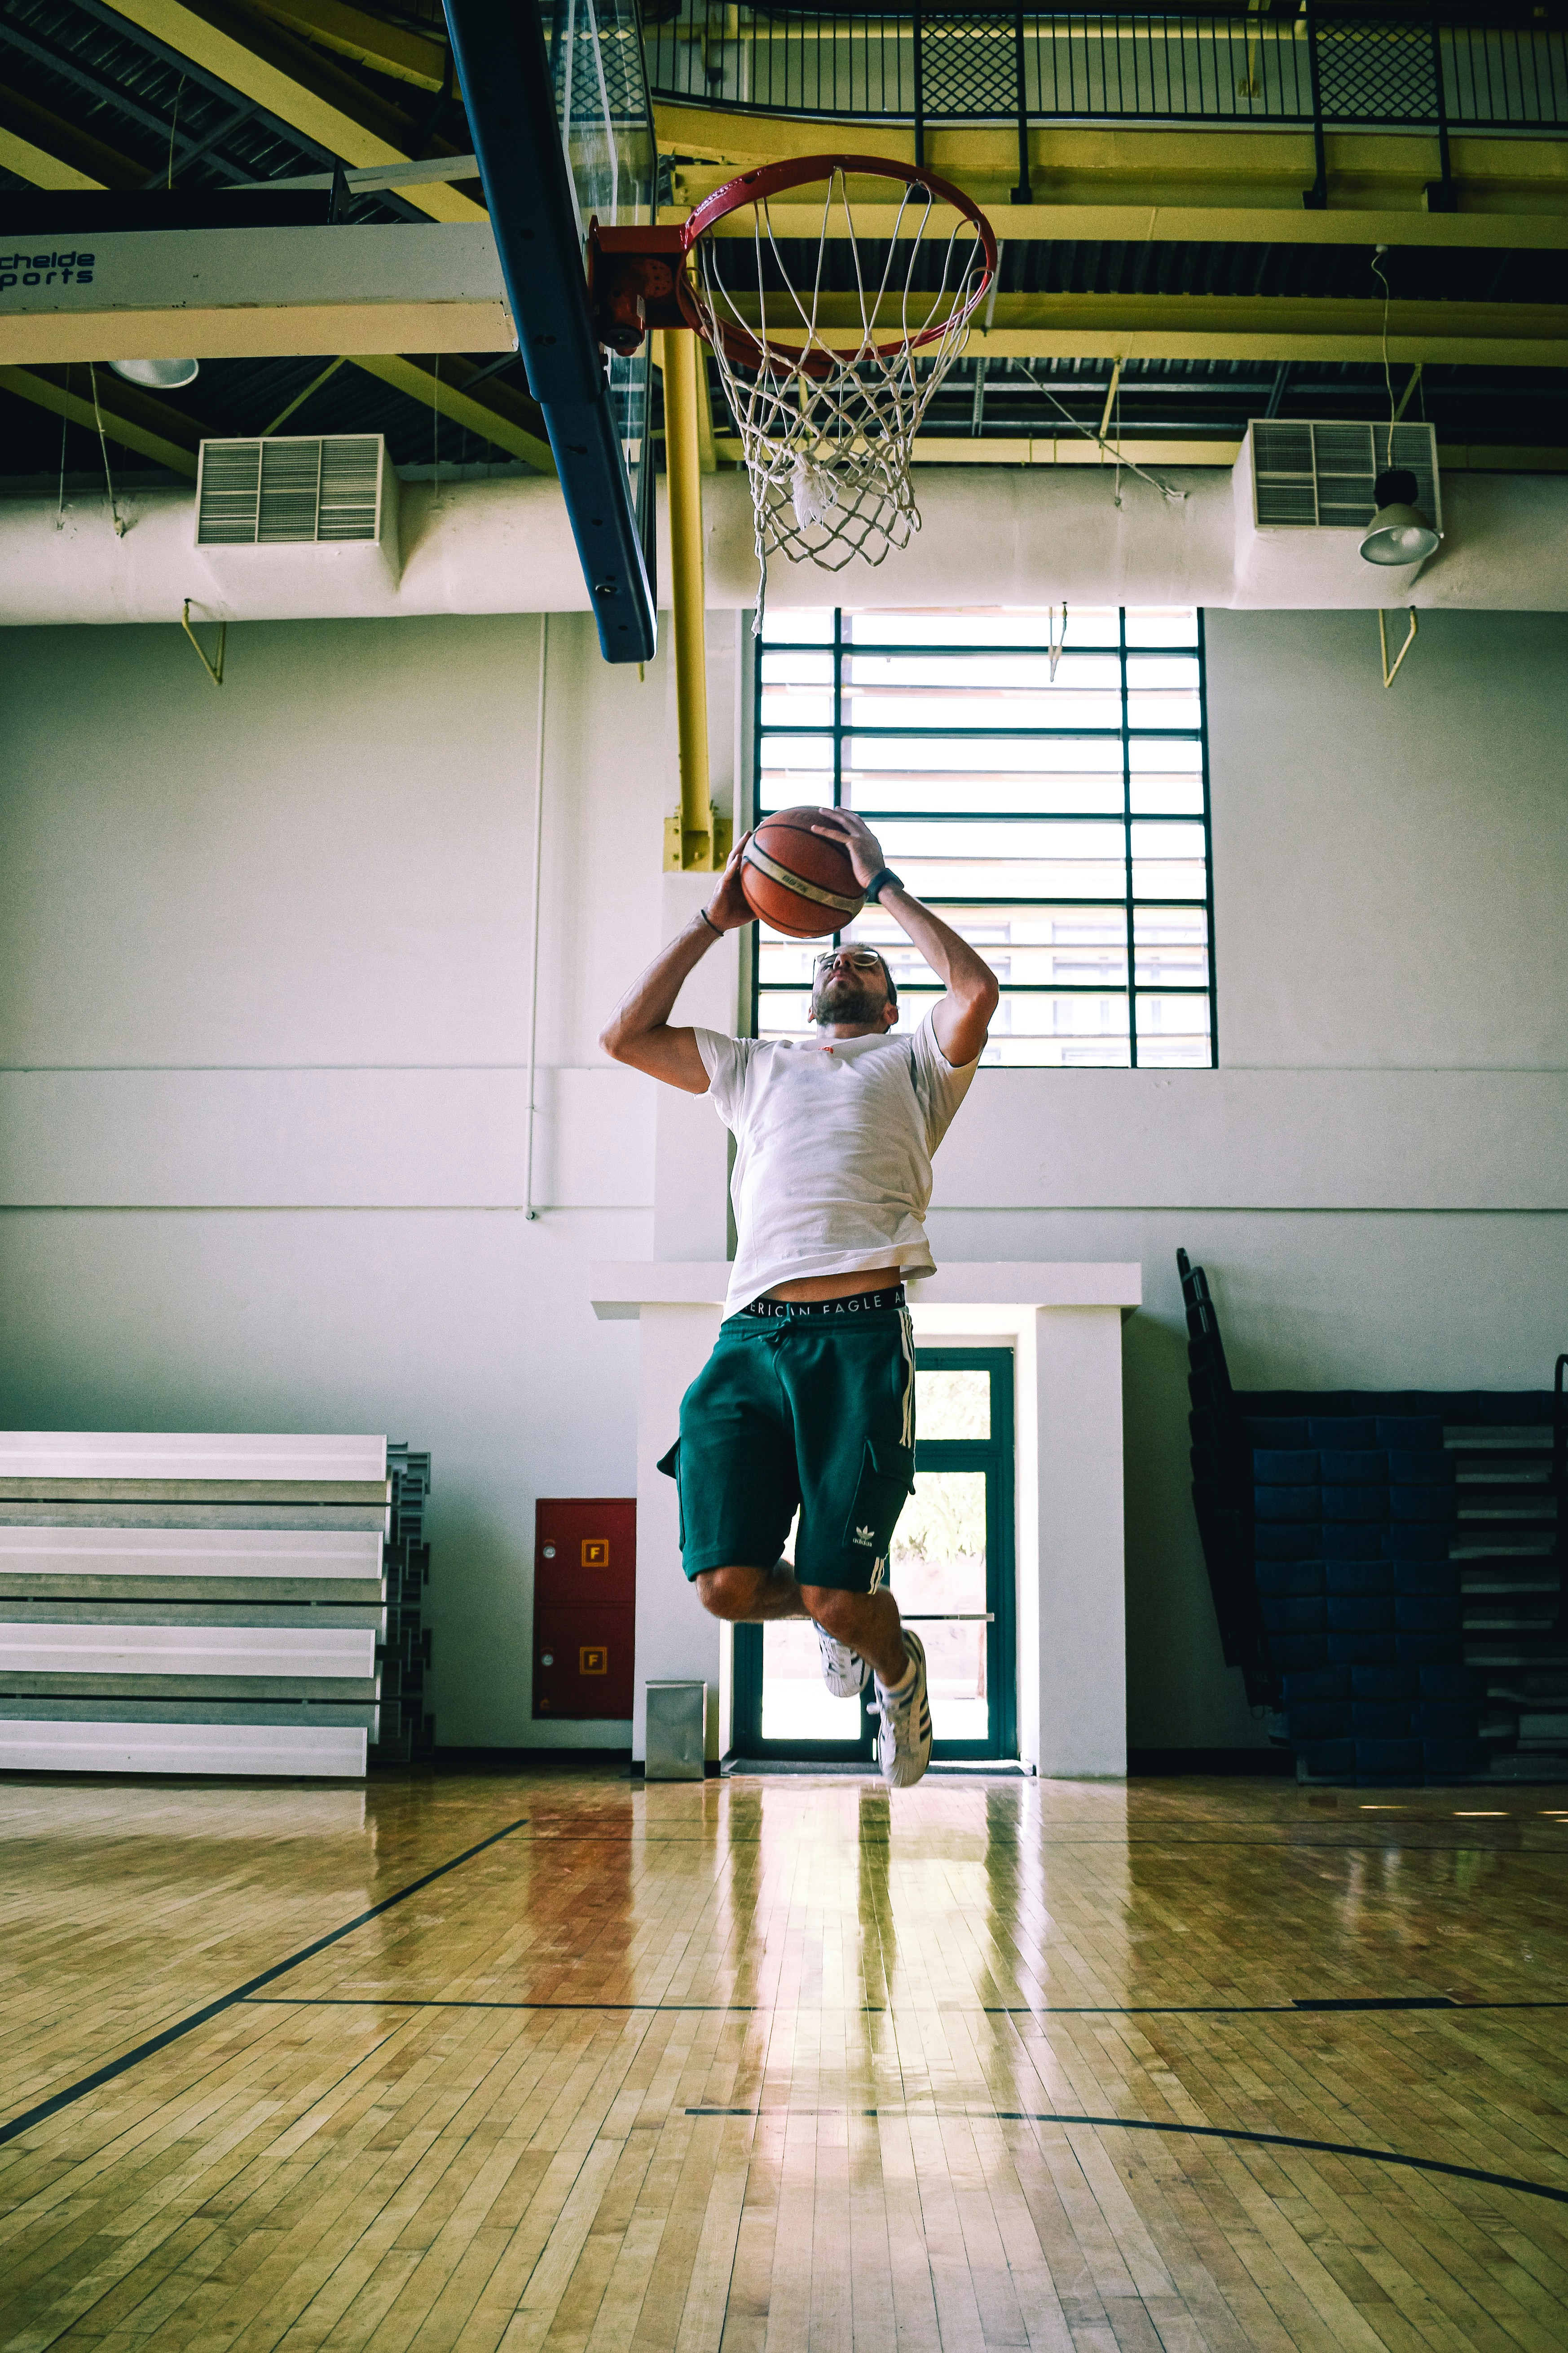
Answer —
771 180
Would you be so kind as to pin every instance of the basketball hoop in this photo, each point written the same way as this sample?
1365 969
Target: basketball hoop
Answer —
828 388
827 385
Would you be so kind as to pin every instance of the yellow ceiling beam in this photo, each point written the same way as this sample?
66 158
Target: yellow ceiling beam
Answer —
38 147
1065 448
297 84
1237 327
1167 224
1166 186
130 417
445 395
33 164
396 51
252 330
1070 449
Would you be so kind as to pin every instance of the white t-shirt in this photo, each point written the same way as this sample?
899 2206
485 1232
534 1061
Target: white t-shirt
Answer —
834 1140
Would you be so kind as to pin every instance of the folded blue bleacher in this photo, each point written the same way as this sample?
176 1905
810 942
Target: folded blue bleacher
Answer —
1298 1653
1296 1466
1350 1540
1289 1540
1352 1521
1361 1466
1276 1577
1381 1719
1342 1430
1422 1432
1368 1505
1359 1576
1419 1467
1424 1575
1362 1647
1292 1613
1290 1503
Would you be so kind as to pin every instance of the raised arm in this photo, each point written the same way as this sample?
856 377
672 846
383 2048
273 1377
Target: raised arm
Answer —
962 1018
638 1031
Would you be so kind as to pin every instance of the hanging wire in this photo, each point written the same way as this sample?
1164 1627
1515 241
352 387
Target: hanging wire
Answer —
65 428
174 125
1166 489
103 445
1387 373
436 437
1116 493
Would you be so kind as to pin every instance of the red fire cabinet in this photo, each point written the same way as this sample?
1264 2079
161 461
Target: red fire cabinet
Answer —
584 1605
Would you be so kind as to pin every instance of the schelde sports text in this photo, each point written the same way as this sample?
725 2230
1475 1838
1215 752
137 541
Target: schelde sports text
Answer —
45 269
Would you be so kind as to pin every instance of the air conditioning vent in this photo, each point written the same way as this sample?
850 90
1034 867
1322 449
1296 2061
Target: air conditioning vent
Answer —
1321 476
286 492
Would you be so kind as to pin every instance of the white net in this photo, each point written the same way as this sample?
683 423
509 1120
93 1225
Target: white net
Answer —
826 384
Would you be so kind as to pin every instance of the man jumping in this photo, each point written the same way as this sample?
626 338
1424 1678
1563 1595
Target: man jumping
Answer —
808 1398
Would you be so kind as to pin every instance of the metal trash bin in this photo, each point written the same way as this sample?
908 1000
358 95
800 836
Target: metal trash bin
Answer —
677 1720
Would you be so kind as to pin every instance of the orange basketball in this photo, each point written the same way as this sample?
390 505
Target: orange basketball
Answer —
798 882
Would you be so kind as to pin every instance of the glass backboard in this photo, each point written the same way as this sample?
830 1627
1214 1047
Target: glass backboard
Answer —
606 133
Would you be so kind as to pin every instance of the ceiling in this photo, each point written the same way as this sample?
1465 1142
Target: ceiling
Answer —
156 93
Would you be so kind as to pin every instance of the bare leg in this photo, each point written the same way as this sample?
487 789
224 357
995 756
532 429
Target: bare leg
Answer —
751 1597
868 1623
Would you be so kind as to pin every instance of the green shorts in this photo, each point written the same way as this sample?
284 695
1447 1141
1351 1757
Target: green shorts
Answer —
809 1407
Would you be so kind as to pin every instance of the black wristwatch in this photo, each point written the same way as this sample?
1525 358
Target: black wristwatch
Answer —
879 883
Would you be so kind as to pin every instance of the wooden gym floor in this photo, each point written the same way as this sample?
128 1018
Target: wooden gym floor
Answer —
781 2064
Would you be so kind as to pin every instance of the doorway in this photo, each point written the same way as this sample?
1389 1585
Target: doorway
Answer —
951 1570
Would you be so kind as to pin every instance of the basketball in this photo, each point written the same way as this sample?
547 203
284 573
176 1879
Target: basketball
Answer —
799 883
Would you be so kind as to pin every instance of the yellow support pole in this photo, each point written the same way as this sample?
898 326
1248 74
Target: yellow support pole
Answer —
693 852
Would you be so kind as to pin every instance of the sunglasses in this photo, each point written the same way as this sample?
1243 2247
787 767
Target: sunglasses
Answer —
863 959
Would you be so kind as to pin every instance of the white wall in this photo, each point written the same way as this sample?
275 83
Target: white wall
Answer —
263 1024
1376 1177
263 1031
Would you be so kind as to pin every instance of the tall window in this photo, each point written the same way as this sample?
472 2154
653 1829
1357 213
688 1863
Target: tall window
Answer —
1061 823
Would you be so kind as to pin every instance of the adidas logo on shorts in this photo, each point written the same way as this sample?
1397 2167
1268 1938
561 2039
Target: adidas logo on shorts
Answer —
865 1536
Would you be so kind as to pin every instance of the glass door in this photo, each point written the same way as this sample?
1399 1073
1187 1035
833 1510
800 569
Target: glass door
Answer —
951 1572
951 1564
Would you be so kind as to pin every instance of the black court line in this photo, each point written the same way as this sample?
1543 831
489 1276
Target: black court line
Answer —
1292 2009
1375 2001
416 2001
1193 2132
881 2009
101 2076
1174 1847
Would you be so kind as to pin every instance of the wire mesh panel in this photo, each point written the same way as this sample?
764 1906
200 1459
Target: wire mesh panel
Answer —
1372 72
968 66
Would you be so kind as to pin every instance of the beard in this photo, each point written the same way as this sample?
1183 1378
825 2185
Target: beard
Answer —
844 999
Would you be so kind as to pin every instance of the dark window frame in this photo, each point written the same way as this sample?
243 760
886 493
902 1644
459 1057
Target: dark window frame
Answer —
838 730
996 1457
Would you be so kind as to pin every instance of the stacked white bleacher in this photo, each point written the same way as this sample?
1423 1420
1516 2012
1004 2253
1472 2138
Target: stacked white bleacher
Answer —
191 1603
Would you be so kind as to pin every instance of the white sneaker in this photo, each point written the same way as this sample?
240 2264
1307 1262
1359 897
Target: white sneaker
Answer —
844 1671
903 1738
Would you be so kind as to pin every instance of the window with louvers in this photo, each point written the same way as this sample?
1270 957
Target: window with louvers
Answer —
288 491
1045 789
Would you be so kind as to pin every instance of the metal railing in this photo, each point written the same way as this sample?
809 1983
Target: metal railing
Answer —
1326 67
